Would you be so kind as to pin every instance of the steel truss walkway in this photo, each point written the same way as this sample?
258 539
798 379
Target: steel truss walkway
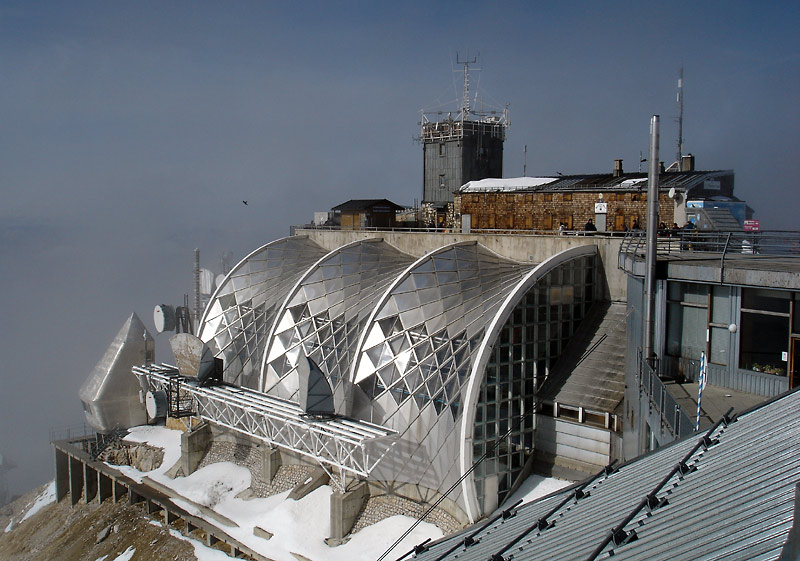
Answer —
349 445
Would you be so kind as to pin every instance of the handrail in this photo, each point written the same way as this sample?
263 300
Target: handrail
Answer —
727 244
672 415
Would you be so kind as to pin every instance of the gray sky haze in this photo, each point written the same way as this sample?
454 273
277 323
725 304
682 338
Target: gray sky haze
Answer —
132 131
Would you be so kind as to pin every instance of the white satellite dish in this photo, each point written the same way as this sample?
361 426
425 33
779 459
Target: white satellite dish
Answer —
672 192
164 318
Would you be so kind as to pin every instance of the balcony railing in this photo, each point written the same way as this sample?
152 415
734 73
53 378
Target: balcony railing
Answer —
670 242
673 417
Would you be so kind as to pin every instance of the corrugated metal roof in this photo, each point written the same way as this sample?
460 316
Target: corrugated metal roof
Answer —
730 495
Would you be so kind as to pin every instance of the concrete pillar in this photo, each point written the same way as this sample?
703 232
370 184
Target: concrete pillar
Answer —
345 508
62 473
134 497
104 487
119 491
271 461
89 483
193 446
75 480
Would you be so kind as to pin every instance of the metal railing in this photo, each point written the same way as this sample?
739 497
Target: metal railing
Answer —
775 243
673 417
457 230
347 444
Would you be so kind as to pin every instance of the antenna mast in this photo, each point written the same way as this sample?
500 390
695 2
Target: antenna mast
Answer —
679 158
465 109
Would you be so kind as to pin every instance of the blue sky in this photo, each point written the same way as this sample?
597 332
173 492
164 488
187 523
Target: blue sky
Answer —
132 131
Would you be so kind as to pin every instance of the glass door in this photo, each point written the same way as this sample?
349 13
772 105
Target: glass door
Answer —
794 363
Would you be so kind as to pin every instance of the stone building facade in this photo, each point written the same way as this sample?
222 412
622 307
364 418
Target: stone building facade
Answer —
547 210
614 202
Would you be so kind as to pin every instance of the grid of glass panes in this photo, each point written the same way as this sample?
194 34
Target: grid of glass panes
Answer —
242 310
326 312
527 348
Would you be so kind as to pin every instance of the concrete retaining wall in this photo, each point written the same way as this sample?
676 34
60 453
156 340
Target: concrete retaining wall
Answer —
519 247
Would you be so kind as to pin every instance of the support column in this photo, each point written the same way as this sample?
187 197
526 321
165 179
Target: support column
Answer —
104 487
89 483
75 480
345 508
119 491
62 473
193 446
271 461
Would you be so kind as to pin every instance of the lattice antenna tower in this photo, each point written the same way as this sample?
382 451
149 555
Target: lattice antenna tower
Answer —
465 109
679 155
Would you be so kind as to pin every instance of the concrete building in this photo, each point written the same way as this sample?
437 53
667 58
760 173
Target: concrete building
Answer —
732 297
460 146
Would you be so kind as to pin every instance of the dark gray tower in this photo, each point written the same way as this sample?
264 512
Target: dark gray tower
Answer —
459 148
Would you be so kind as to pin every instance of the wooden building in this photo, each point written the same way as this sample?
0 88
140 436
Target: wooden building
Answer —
360 214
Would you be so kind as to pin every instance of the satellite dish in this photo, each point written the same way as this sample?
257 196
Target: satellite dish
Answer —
672 192
156 404
164 318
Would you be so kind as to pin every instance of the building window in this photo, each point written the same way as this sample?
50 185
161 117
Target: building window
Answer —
441 180
528 198
476 198
567 196
764 333
442 149
547 197
687 319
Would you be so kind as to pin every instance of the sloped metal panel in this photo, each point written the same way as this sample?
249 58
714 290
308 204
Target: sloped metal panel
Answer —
323 314
416 355
734 500
242 309
110 394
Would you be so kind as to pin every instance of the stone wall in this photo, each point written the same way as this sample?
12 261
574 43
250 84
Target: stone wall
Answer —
545 211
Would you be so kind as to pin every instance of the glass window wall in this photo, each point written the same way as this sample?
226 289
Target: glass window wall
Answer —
527 348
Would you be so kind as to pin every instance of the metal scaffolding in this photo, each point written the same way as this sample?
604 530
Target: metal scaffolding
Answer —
349 445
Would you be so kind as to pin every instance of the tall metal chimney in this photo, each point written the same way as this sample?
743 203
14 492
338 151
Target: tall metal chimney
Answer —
196 290
652 233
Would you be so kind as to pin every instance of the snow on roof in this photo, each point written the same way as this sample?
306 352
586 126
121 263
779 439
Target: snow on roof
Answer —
509 184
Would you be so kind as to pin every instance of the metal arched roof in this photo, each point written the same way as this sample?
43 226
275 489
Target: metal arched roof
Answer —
242 309
324 312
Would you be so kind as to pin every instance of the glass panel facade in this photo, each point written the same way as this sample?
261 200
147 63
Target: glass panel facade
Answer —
529 344
325 319
687 319
241 311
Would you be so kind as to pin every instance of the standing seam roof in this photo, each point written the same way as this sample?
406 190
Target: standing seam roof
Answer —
736 501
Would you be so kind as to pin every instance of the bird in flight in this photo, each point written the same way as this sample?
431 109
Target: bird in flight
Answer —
245 202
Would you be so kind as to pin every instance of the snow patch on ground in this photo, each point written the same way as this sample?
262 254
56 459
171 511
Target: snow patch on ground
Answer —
47 497
298 526
101 558
10 526
536 487
126 555
160 437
